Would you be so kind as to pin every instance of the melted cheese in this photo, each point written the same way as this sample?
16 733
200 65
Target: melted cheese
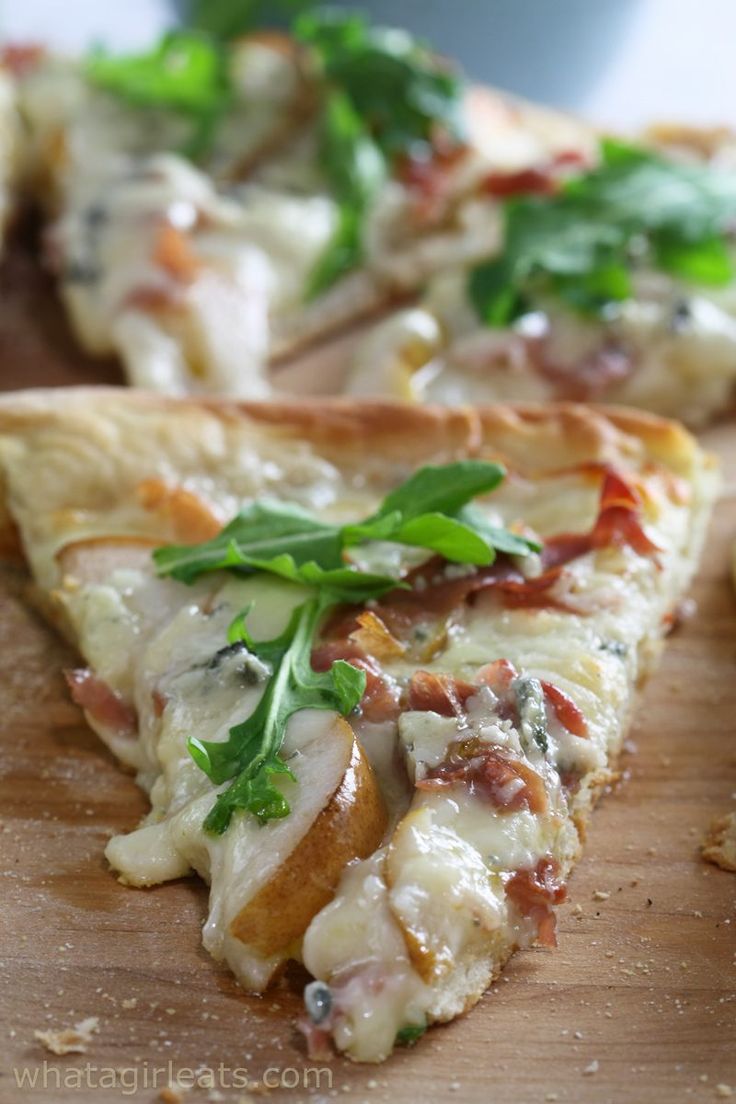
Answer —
681 344
74 125
116 181
207 327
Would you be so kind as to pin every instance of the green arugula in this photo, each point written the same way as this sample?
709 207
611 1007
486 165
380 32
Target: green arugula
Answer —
185 72
250 754
384 95
432 510
408 1035
401 90
582 243
355 169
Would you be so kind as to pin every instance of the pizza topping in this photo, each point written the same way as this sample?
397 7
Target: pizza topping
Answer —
103 704
173 253
373 635
429 180
429 510
380 700
588 377
533 892
492 773
582 243
565 709
384 94
532 712
618 524
21 58
318 1001
540 180
187 514
186 72
441 694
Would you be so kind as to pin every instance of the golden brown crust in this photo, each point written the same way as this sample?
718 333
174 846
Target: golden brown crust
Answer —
405 430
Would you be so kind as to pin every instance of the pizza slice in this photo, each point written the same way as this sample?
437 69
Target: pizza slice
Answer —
615 285
368 173
372 663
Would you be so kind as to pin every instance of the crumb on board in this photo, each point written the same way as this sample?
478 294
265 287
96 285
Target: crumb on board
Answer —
591 1068
600 895
719 845
170 1096
723 1091
70 1040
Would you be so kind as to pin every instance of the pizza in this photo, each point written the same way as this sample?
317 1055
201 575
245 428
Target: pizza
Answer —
208 216
372 663
615 285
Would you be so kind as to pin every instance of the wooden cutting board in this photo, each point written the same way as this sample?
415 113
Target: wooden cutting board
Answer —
637 1005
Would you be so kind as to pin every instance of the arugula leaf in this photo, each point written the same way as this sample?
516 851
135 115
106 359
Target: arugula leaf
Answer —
396 84
409 1034
385 95
503 540
355 171
258 532
250 754
578 244
185 72
344 584
441 489
430 510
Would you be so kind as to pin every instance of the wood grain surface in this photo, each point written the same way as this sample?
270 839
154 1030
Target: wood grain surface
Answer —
637 1005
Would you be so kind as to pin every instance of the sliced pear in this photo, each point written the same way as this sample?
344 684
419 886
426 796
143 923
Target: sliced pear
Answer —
349 824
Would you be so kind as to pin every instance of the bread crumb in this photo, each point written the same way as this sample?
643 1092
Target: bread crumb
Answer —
719 845
130 1002
723 1090
600 895
70 1040
591 1069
